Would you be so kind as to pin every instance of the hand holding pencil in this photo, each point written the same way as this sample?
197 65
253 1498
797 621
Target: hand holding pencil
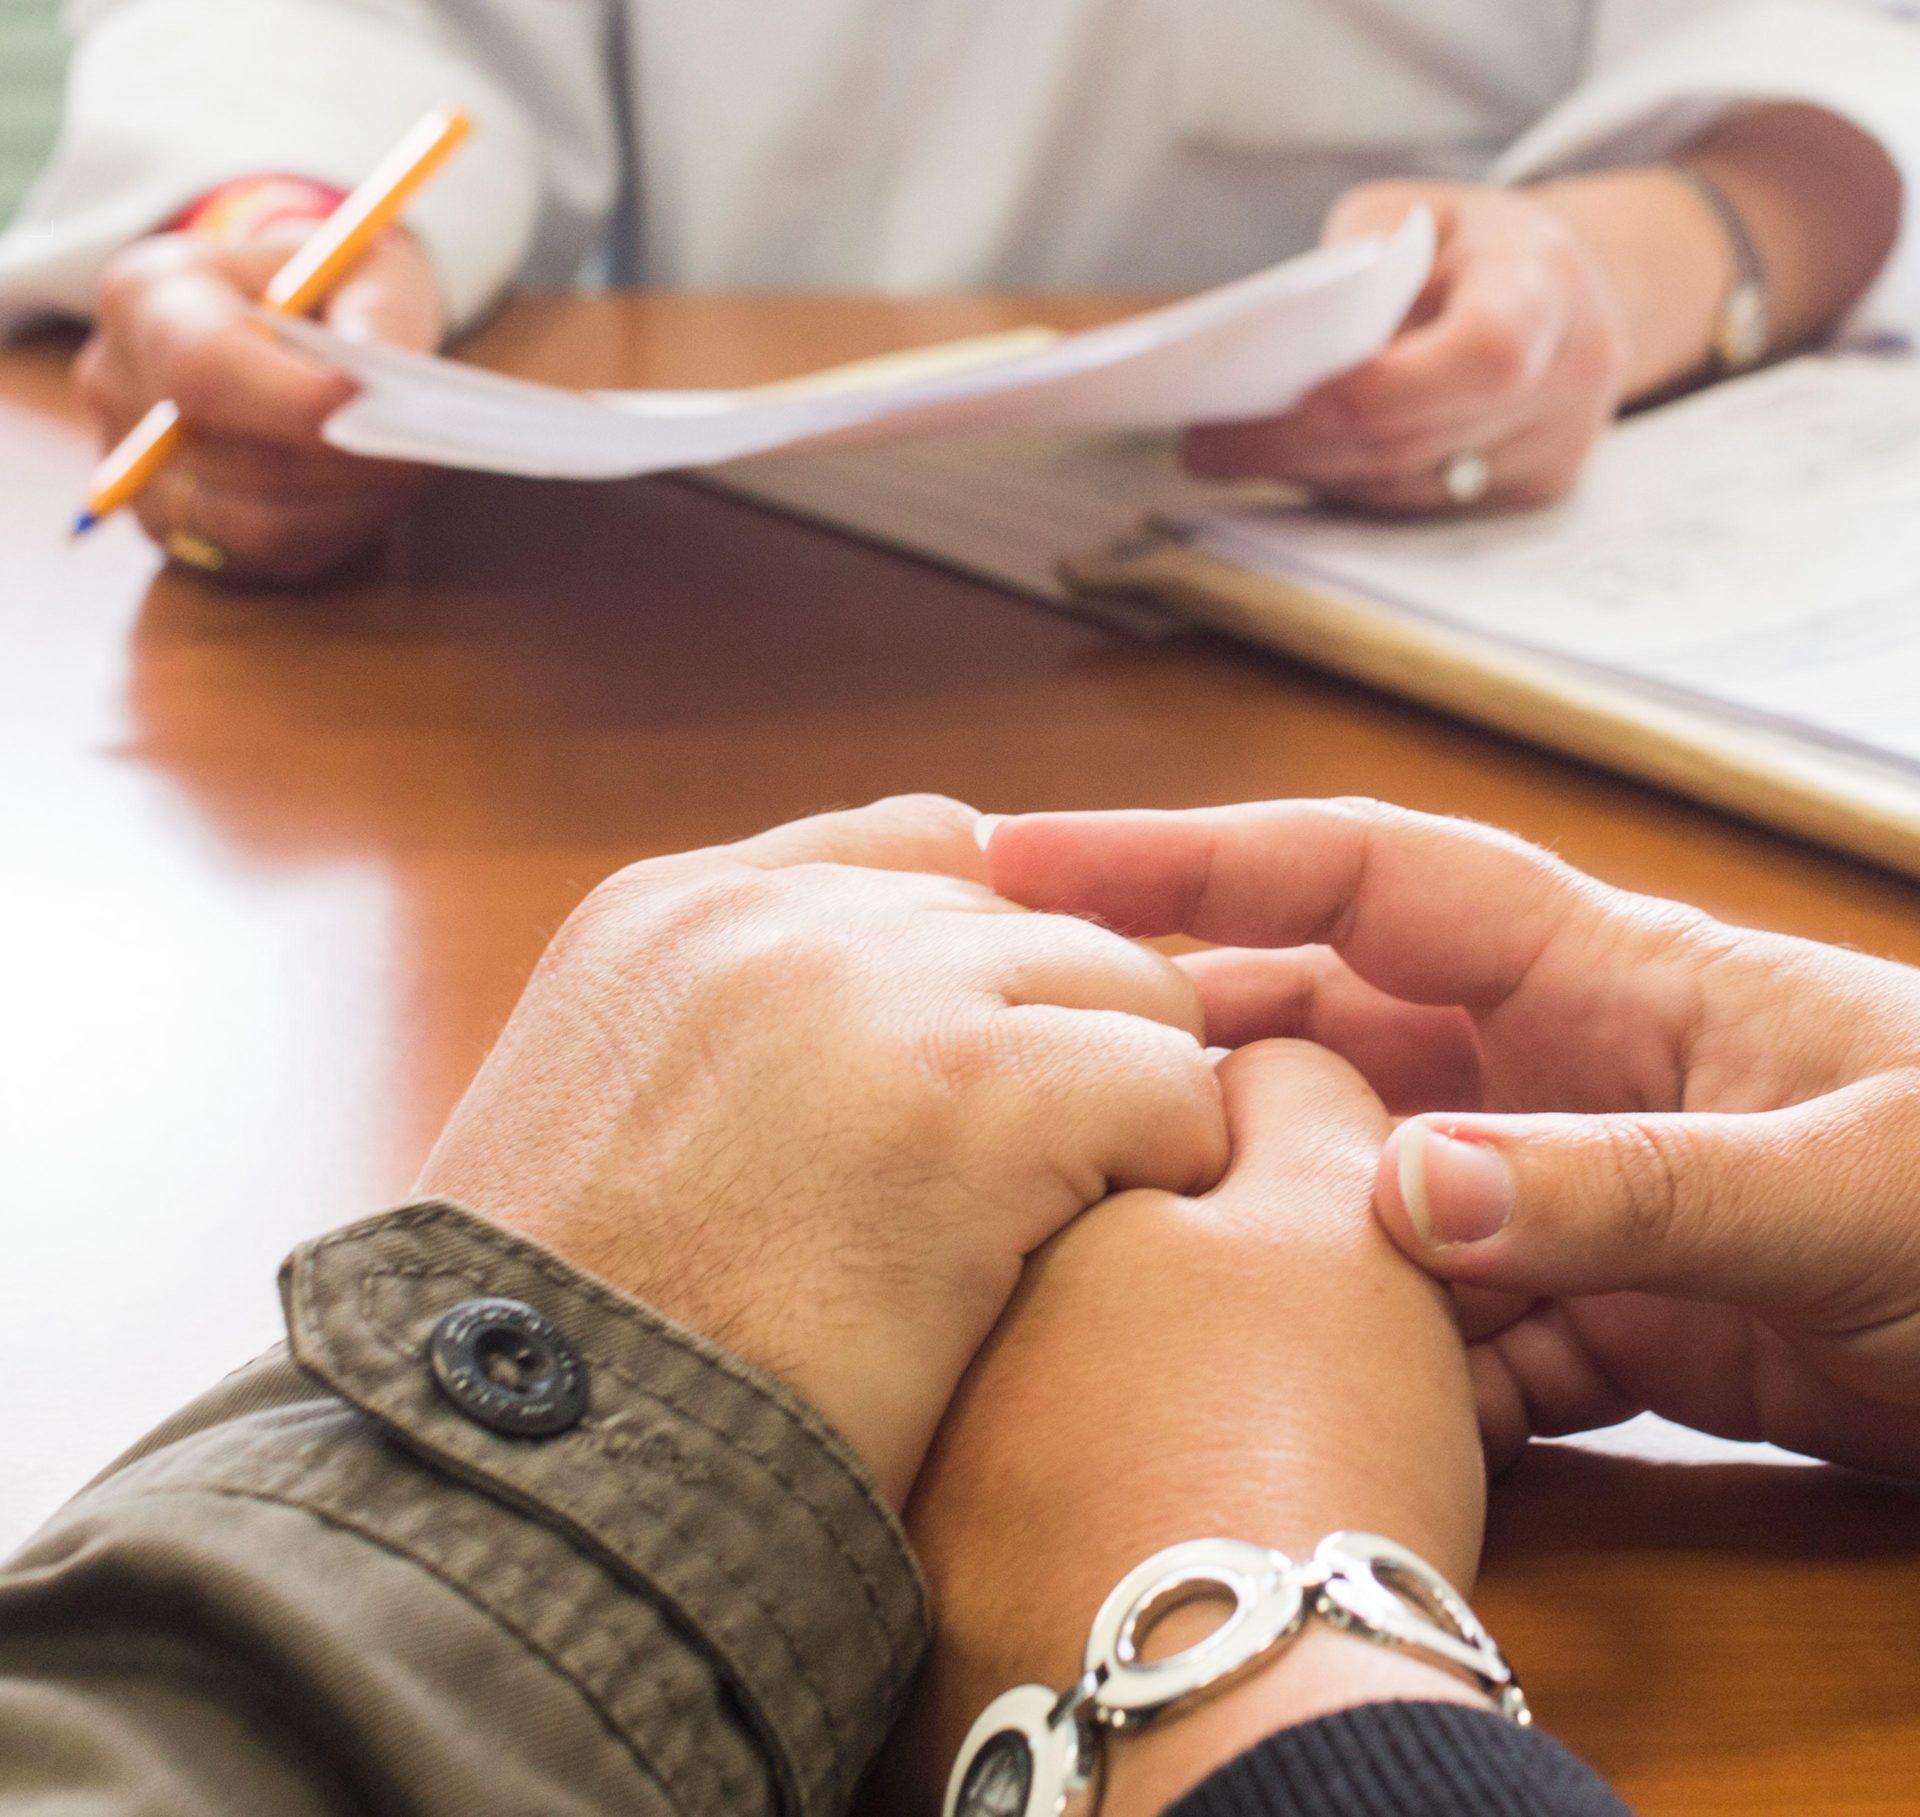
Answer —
243 482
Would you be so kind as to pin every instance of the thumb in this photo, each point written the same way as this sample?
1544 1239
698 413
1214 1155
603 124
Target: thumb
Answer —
392 295
1806 1211
1379 208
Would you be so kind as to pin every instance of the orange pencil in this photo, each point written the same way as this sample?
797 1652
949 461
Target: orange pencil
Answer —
302 282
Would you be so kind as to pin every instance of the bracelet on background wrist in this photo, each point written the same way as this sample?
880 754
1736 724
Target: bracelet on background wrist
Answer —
1743 328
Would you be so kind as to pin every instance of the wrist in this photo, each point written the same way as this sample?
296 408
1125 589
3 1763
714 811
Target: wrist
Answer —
1664 255
1321 1673
1205 1649
1308 1433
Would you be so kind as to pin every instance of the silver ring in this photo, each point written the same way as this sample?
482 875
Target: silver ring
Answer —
1467 478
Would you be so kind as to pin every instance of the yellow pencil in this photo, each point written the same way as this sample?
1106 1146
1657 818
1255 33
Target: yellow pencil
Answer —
305 280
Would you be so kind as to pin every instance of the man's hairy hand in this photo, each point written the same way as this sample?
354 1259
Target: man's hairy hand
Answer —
819 1094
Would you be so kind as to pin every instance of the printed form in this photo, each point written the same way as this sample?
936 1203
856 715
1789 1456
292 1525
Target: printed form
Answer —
1754 551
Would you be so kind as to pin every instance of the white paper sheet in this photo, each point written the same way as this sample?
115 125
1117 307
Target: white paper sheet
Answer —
1246 349
1753 551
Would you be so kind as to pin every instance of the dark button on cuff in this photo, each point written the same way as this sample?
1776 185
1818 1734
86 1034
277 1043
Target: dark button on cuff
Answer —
508 1367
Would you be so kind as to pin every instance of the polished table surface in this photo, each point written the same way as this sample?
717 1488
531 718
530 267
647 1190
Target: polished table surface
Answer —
274 869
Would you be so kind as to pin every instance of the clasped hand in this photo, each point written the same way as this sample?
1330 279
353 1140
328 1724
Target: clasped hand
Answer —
964 1176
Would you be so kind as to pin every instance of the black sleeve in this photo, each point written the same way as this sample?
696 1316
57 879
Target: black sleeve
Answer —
1404 1760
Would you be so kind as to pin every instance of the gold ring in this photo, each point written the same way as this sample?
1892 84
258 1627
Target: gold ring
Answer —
192 551
188 547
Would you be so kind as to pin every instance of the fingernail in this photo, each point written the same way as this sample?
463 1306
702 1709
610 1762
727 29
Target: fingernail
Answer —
1216 1054
984 829
1455 1191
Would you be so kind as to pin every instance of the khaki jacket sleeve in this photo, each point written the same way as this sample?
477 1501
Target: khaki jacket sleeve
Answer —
325 1587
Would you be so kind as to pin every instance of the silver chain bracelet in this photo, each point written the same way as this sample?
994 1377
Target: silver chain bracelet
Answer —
1034 1750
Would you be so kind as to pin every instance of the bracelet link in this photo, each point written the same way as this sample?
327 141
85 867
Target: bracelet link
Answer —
1376 1589
1033 1751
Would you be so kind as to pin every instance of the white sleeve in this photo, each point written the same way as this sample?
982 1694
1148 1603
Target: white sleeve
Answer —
1858 59
166 99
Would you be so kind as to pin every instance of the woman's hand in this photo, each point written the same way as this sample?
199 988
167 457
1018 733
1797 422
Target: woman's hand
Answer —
1549 307
1254 1364
819 1094
1517 352
254 486
1676 1169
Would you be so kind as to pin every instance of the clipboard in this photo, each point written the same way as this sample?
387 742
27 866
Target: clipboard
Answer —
1821 796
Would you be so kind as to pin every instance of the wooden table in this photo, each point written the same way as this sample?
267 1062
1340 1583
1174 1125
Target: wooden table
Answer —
275 869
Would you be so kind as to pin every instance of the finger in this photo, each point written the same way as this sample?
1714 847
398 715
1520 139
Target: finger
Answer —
1382 208
901 833
1502 1412
1803 1214
1534 1378
1574 1366
392 295
104 378
275 473
191 337
1426 909
1291 1106
1311 454
1498 331
289 539
1115 1101
1481 1312
1539 466
1415 1056
1075 965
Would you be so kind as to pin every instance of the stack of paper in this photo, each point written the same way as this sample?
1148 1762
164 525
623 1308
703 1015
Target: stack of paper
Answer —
1249 348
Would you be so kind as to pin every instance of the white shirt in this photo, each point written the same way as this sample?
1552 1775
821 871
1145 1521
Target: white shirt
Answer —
914 145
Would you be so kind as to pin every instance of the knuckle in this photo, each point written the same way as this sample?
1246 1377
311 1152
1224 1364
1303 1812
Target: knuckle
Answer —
928 811
1382 200
1185 1113
631 915
1370 814
1498 354
126 278
964 1055
196 374
721 945
1650 1168
90 372
121 284
1168 1064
